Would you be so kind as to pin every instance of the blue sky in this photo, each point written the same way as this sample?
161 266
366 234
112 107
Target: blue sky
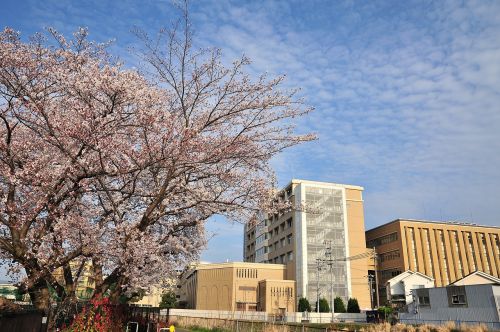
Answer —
407 93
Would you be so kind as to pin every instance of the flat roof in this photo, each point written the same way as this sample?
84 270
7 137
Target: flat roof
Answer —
333 184
449 223
206 266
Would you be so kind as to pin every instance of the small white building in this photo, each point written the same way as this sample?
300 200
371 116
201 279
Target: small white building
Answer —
477 278
399 288
470 304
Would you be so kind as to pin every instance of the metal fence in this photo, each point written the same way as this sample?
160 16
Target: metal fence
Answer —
23 321
291 317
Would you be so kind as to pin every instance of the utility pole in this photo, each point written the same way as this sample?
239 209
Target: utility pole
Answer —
376 278
329 259
318 268
370 287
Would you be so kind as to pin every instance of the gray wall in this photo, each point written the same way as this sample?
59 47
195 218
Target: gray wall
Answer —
482 306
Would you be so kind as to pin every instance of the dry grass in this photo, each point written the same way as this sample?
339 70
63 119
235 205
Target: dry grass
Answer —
447 327
473 328
229 325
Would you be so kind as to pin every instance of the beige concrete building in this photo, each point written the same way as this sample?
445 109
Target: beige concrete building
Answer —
445 251
322 215
238 287
151 298
83 277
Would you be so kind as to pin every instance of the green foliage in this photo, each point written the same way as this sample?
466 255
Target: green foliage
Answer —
304 305
338 305
385 311
6 291
353 306
323 305
168 300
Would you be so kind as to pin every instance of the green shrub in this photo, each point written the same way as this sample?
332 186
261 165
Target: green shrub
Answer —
323 305
304 305
353 306
338 305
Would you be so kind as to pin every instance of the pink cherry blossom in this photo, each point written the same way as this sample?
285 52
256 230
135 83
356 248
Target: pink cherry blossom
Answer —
122 168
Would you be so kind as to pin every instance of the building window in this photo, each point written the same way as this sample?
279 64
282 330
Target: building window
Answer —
290 256
413 248
388 274
456 296
445 258
487 263
389 256
382 240
282 242
459 255
471 249
289 223
423 300
429 252
458 299
497 243
289 239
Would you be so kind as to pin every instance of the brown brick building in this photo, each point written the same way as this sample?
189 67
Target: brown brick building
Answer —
445 251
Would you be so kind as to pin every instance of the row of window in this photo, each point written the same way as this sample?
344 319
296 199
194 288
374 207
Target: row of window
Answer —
282 227
283 242
247 273
457 296
453 239
268 235
389 256
282 292
388 274
282 259
382 240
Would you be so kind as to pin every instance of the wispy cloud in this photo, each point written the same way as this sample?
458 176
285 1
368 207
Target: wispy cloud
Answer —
407 98
407 93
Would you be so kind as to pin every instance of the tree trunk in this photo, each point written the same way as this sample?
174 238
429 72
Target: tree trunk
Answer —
40 296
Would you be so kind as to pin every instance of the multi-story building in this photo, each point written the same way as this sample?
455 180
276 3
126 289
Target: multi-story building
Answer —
322 215
238 286
445 251
83 275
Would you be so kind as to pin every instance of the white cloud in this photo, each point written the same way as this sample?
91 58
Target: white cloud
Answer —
406 93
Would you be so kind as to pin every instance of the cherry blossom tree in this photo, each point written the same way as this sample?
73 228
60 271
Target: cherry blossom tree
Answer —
104 164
